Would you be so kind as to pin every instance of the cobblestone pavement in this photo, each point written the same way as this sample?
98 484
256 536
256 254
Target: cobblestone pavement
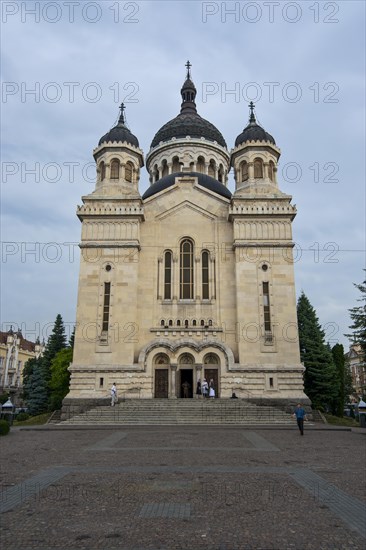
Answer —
183 487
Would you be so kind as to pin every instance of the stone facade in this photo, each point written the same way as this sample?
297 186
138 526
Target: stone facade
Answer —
187 281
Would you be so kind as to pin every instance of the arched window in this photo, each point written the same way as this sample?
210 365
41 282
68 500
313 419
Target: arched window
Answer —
271 170
221 174
186 270
258 168
102 171
244 171
178 322
165 169
128 171
202 322
162 323
168 275
115 169
155 173
176 165
201 165
194 322
211 168
186 323
205 275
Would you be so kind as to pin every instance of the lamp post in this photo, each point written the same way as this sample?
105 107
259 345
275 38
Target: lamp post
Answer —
7 412
362 413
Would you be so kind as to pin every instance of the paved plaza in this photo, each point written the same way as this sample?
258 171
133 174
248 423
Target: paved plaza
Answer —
183 487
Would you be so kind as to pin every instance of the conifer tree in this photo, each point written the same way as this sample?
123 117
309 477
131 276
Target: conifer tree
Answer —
320 377
37 395
358 316
340 364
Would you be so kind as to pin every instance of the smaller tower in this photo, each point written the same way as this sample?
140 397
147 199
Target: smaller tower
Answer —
119 159
254 160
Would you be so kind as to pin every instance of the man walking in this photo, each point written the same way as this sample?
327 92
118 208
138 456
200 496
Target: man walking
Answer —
114 398
300 415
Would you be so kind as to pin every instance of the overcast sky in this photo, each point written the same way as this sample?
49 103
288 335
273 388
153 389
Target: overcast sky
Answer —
66 66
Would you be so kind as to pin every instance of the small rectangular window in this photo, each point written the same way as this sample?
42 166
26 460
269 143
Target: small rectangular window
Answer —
271 382
101 382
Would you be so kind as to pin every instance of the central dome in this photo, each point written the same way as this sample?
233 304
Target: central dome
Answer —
188 122
188 125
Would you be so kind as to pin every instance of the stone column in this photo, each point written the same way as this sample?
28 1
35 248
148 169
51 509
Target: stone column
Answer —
266 174
175 276
198 373
251 171
197 278
173 385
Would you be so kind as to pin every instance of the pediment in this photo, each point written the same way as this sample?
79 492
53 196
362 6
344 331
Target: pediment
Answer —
186 207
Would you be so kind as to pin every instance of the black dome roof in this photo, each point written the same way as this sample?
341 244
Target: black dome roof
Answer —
188 122
188 125
253 132
120 133
203 179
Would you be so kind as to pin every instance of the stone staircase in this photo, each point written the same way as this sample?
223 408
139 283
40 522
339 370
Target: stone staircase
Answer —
182 411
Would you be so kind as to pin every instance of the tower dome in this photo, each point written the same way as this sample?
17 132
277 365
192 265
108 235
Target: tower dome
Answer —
253 132
120 132
188 122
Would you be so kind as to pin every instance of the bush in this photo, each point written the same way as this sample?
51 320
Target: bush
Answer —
21 417
4 427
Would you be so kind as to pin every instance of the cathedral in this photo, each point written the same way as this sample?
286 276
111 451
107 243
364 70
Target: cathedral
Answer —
187 281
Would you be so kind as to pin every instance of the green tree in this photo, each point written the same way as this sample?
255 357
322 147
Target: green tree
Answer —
37 372
320 377
340 365
37 393
60 377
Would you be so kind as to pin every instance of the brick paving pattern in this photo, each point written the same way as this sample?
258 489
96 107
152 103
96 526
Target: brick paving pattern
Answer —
183 488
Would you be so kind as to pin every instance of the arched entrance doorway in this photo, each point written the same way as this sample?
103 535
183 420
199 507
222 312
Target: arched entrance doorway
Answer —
211 367
185 386
161 375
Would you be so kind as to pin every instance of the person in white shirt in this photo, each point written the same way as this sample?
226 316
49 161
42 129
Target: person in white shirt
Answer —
114 398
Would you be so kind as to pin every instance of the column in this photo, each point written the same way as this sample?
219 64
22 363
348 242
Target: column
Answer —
251 171
175 276
197 278
173 385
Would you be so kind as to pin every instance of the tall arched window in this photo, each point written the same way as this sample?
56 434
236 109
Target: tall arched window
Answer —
128 171
271 170
102 171
205 275
201 165
115 169
258 168
244 171
186 270
176 165
211 168
221 174
168 275
165 169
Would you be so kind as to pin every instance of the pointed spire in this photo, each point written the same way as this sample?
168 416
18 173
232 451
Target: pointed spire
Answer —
188 93
252 119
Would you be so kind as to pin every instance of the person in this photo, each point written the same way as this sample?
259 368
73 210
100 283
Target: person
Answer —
300 415
233 396
186 387
212 388
204 388
114 398
198 390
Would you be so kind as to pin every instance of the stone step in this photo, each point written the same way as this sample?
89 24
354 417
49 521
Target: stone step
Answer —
181 411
